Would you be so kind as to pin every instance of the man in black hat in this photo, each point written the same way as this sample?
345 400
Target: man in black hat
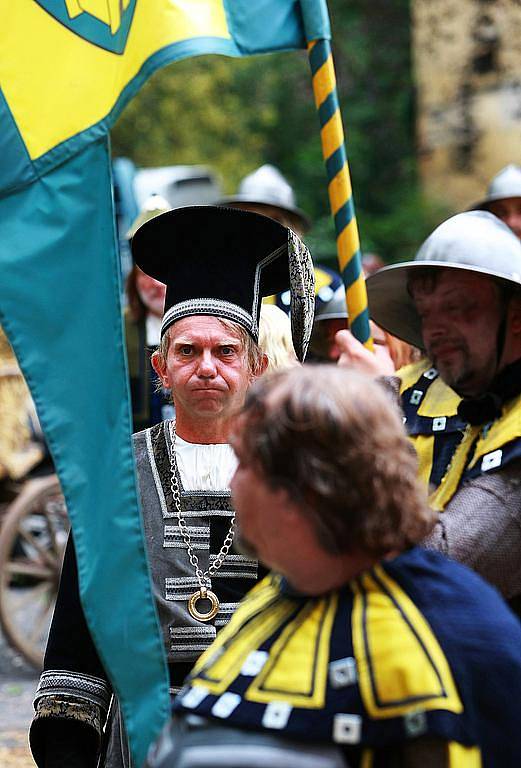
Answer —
217 263
460 301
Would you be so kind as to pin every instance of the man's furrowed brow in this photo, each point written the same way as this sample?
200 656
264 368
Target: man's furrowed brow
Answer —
224 342
419 293
229 343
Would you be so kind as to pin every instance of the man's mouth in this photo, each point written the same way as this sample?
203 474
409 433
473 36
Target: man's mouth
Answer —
444 350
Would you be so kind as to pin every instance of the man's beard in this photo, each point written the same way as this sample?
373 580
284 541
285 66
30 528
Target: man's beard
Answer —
242 546
457 373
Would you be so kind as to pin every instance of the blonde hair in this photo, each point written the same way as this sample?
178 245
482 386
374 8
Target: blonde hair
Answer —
275 338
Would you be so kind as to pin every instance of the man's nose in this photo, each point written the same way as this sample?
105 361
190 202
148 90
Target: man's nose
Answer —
433 328
207 367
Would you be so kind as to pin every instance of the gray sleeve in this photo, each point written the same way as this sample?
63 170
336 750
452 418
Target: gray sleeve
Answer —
481 527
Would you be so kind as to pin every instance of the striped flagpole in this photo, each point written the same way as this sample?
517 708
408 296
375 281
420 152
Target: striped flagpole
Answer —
340 193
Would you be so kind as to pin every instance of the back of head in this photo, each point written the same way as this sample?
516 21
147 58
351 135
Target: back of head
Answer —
335 441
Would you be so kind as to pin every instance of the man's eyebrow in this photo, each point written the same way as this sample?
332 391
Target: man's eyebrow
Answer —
445 294
182 340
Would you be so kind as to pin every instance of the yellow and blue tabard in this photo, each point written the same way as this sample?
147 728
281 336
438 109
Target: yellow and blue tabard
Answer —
484 448
430 409
449 449
418 646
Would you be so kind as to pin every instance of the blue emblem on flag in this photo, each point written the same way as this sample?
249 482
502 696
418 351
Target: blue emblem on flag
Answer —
105 23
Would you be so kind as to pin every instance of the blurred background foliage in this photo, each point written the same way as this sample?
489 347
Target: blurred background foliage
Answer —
234 115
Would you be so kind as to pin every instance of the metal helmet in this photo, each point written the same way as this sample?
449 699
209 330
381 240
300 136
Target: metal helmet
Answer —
474 241
326 283
506 183
153 206
267 186
333 309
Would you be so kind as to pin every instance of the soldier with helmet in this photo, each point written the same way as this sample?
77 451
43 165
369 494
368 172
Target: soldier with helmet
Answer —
503 197
266 191
460 301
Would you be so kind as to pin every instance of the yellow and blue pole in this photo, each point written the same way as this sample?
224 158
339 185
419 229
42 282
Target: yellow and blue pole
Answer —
339 182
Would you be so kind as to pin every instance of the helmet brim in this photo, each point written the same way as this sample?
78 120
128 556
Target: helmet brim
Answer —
304 221
483 205
391 306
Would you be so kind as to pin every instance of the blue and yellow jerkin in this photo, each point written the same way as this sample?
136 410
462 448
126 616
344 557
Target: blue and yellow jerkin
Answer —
418 646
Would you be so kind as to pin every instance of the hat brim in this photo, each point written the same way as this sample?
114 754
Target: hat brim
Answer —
483 205
160 241
390 304
304 220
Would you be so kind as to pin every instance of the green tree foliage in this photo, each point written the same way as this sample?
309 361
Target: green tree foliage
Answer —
234 115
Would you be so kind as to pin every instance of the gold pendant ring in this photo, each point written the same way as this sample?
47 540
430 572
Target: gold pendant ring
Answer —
203 594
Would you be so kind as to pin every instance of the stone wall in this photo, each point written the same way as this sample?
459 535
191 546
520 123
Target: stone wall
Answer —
467 62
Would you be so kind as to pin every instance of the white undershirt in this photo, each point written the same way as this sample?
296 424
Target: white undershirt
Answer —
205 467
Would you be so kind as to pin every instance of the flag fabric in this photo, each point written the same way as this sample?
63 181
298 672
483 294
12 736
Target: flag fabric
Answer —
67 68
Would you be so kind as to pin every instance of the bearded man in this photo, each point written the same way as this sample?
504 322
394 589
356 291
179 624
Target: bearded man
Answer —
460 301
217 263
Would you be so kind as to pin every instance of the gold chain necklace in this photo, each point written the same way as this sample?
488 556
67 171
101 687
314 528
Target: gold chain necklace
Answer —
203 593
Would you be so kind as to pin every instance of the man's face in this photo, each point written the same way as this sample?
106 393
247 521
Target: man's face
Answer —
460 317
206 368
261 512
151 292
508 210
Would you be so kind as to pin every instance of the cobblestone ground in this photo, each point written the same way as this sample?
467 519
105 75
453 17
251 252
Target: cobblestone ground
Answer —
17 685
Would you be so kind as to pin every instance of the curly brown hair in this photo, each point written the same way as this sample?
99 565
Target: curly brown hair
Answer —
334 440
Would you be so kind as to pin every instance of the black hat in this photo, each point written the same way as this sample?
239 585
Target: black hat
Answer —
222 261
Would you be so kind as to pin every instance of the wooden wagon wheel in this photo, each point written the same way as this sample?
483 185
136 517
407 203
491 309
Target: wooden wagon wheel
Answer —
32 542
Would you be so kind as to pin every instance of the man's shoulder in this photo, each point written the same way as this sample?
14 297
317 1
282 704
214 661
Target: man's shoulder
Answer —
146 440
449 593
429 614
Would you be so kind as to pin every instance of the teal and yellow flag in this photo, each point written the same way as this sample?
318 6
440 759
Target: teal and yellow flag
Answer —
67 68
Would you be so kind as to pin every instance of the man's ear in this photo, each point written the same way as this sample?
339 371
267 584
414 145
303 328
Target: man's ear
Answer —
260 368
159 366
263 364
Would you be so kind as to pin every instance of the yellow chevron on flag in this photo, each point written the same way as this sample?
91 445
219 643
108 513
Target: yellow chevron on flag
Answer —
73 82
108 11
